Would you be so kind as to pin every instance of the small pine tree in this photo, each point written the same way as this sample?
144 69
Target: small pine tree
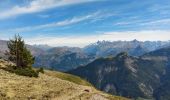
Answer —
18 53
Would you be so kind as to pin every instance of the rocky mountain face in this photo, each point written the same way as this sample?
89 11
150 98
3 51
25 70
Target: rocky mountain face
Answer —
146 76
162 93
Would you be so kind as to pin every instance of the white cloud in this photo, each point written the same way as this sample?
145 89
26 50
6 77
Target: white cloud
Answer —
37 6
157 22
70 21
81 41
57 24
148 23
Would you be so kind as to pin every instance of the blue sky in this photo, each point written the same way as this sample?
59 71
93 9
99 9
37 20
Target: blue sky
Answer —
80 22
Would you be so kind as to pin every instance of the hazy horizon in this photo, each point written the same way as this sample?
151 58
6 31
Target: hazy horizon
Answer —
89 43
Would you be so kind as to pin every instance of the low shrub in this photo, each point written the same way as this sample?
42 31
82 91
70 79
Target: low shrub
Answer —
40 70
26 72
23 71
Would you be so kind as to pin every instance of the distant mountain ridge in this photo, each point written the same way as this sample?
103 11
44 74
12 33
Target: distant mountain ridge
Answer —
63 61
134 48
43 47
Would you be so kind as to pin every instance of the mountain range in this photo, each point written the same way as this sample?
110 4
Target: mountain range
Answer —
133 48
68 58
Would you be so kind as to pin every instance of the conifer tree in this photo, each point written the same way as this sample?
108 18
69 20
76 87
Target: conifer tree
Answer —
18 53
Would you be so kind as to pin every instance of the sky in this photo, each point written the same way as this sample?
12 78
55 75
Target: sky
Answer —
81 22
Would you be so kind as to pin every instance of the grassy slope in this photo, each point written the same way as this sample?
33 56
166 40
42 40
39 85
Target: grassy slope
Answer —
68 77
51 85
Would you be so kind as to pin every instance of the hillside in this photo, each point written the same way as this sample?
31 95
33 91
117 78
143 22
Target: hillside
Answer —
51 85
146 76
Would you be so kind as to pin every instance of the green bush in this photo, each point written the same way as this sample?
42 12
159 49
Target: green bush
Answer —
26 72
23 71
41 70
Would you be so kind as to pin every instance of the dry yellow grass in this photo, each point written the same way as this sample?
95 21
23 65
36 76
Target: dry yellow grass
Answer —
48 86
